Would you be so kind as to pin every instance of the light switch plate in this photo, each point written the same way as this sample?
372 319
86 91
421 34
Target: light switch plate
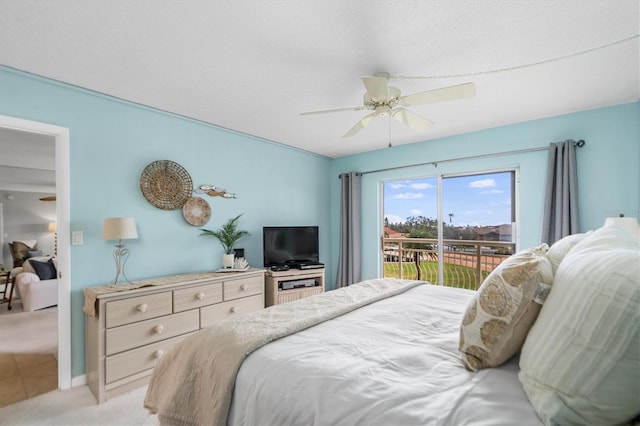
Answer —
77 238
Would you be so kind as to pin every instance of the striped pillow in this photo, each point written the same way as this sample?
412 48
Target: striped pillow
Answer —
580 361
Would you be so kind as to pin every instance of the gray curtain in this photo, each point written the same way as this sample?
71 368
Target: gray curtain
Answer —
349 271
561 199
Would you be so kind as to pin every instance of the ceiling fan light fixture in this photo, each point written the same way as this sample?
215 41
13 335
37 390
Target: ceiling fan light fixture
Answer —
383 99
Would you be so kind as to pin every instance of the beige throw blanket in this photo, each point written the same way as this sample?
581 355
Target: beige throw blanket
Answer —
193 383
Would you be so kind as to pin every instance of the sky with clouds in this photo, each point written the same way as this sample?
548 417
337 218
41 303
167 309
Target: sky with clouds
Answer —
478 200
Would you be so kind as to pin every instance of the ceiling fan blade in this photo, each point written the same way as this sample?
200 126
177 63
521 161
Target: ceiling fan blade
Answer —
377 87
460 91
323 111
411 119
359 125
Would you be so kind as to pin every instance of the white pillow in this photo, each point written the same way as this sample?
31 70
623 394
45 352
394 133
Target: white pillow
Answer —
580 363
562 247
503 309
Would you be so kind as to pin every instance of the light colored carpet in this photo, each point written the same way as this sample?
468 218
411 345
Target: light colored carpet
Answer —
37 332
78 406
28 332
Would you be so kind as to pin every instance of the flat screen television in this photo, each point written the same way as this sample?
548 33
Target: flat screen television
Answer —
290 245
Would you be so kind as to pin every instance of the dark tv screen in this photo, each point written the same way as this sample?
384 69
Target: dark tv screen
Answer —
290 244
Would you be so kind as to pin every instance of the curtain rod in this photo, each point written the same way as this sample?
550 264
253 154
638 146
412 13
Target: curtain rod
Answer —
578 144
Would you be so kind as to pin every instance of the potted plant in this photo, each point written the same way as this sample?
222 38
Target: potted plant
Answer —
228 235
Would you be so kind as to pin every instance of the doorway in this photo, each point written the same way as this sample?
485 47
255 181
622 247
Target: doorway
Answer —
60 137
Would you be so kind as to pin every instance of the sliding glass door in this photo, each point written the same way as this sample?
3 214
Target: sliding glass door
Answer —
448 229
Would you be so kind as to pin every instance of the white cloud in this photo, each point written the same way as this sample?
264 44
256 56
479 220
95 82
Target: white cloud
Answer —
482 183
408 196
392 218
396 185
415 212
421 185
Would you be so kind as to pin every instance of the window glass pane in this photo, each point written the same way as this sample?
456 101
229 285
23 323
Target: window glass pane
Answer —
411 211
477 217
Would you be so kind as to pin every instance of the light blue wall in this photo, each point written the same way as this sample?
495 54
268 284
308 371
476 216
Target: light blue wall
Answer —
110 144
607 170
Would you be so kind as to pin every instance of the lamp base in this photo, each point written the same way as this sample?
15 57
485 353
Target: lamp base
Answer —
120 256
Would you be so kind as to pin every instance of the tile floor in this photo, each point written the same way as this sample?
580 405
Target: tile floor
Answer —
24 376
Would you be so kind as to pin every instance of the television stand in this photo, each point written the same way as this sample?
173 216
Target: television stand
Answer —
294 284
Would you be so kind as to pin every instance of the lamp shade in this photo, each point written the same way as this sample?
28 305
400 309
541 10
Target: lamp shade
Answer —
53 226
119 228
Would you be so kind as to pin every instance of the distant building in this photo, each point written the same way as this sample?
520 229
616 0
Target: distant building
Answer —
392 233
495 233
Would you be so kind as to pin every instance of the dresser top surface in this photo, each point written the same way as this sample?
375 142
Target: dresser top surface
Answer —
168 282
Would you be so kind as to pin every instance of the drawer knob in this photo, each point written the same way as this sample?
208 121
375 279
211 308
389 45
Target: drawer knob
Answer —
233 310
244 287
158 354
158 328
200 296
142 307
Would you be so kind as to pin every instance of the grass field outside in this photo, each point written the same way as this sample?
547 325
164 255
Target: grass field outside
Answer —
454 275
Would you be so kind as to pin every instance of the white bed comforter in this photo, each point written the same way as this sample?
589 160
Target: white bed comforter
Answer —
394 362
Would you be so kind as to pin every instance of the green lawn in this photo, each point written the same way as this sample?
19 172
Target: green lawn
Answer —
454 275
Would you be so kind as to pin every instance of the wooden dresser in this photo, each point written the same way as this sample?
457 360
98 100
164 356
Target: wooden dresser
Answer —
130 330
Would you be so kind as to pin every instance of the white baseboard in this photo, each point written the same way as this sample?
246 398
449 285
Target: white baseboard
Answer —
79 381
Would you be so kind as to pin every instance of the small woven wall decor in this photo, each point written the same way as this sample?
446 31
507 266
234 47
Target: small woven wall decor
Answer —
196 211
166 184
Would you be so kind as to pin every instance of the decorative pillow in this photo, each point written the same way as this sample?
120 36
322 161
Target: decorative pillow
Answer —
33 253
502 311
562 247
44 270
579 363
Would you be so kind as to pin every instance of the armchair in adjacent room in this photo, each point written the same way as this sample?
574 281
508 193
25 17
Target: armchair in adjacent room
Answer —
37 284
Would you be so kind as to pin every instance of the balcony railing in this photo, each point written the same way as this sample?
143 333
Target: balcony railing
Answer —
466 262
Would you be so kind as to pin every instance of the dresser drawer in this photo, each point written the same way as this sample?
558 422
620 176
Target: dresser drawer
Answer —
242 288
195 297
137 360
139 308
119 339
213 313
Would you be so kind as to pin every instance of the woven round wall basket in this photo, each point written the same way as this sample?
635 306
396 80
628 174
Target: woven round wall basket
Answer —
166 184
196 211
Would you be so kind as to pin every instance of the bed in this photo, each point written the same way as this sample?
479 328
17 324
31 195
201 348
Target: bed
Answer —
394 362
388 351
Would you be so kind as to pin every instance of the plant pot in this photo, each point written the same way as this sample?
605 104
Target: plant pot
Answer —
227 260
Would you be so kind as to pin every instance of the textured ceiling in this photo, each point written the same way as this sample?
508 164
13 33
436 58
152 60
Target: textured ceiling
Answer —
253 66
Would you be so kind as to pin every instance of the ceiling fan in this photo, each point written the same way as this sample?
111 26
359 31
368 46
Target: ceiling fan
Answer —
385 100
